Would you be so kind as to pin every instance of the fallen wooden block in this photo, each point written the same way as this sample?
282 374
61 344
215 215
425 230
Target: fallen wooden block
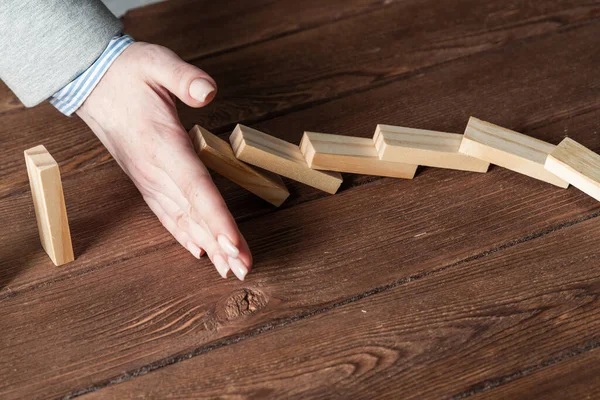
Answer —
278 156
349 154
49 204
577 165
423 147
509 149
217 155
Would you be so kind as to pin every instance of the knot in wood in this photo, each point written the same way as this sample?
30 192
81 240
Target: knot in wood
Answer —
242 302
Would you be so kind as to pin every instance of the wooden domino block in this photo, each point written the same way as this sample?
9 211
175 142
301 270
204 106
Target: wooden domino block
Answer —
49 204
278 156
577 165
349 154
217 155
509 149
423 147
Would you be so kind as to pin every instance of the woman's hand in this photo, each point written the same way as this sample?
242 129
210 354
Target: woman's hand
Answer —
132 111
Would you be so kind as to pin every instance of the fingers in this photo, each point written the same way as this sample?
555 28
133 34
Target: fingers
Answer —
206 206
168 222
189 83
200 235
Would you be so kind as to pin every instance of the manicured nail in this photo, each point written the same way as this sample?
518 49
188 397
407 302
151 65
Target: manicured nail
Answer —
221 265
195 250
227 246
238 268
200 89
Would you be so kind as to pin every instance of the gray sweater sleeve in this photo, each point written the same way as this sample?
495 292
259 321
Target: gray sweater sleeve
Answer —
45 44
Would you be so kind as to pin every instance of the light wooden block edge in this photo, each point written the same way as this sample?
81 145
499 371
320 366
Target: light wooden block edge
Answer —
49 204
477 149
268 156
557 165
380 167
468 163
219 157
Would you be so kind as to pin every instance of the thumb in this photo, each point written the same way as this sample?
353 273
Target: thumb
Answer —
189 83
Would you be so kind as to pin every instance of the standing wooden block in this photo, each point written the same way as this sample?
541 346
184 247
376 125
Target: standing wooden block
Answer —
278 156
422 147
49 204
217 155
577 165
350 154
509 149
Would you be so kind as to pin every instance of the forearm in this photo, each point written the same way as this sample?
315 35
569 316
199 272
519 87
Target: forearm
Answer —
45 44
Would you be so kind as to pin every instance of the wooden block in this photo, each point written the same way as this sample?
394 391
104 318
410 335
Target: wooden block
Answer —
278 156
350 154
509 149
422 147
217 155
49 204
577 165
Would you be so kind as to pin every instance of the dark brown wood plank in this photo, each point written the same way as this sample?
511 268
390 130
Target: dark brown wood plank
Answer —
278 76
354 115
430 338
87 328
67 332
200 28
575 378
8 101
369 51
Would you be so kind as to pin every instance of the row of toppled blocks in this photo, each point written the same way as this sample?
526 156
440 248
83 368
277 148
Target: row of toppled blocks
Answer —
392 152
318 161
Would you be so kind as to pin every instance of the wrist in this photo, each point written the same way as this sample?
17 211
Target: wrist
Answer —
71 97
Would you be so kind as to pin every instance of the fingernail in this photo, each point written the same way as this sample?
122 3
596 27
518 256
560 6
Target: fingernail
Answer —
195 250
238 268
200 89
227 246
221 265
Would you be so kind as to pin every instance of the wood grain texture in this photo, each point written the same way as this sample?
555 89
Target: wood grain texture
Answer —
251 89
575 378
577 165
376 54
162 302
217 155
280 157
509 149
423 147
194 29
349 154
572 50
136 301
49 205
454 330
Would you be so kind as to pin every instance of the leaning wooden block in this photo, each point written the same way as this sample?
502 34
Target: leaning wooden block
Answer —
355 155
577 165
423 147
278 156
509 149
217 155
49 204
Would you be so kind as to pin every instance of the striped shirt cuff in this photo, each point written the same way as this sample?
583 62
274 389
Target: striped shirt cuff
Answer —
68 99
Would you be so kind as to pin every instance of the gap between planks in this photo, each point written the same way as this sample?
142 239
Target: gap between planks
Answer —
279 323
494 383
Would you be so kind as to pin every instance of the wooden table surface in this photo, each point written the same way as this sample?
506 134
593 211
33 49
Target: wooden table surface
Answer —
453 285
